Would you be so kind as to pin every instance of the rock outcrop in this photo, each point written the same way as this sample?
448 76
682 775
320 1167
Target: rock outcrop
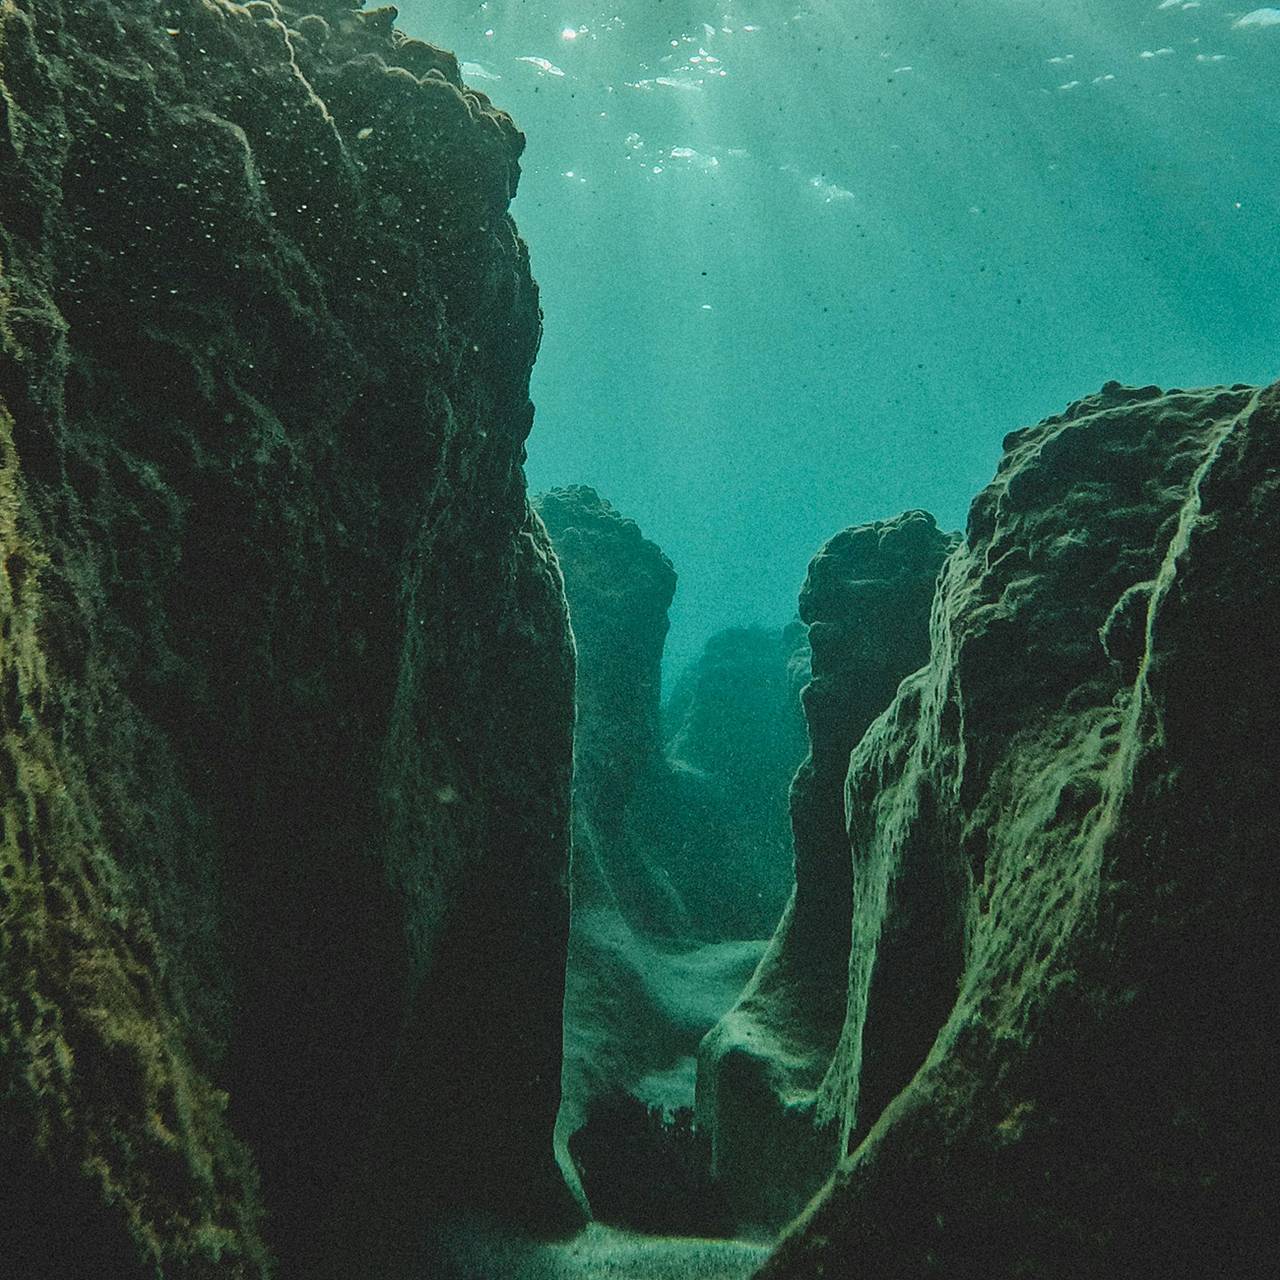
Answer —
286 712
619 587
866 601
1059 1022
287 685
668 911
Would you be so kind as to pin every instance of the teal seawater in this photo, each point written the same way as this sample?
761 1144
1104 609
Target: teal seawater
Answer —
805 264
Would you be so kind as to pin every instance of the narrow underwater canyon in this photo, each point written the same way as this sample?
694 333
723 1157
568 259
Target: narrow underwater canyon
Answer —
302 762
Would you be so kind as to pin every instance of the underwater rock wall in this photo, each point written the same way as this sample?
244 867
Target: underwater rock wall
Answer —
1077 796
678 836
866 601
619 587
287 683
735 736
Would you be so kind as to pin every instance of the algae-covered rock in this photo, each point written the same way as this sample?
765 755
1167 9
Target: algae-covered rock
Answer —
287 701
619 586
866 603
1076 796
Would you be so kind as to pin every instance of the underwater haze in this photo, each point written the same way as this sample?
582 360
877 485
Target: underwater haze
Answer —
804 265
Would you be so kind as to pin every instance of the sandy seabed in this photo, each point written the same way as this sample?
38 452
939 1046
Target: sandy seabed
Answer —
599 1253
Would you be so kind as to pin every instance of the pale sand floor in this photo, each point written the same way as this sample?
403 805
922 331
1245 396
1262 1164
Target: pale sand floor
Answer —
600 1253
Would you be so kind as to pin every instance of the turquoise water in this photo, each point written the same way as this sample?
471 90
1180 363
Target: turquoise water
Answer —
804 265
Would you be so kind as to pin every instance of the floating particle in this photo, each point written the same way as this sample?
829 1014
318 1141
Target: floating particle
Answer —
549 68
829 191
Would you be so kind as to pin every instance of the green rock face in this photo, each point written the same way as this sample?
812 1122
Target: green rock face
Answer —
287 681
866 602
1057 1021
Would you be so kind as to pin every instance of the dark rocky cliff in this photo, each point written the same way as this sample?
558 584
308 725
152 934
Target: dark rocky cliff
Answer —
286 707
1058 1020
287 688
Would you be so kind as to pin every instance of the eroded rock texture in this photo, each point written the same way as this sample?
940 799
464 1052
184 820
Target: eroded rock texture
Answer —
1077 794
866 601
287 688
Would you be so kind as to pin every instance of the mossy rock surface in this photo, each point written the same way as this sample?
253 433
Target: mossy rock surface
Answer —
1059 1013
287 684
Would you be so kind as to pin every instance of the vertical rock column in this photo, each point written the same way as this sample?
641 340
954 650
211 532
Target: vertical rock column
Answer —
866 601
619 586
